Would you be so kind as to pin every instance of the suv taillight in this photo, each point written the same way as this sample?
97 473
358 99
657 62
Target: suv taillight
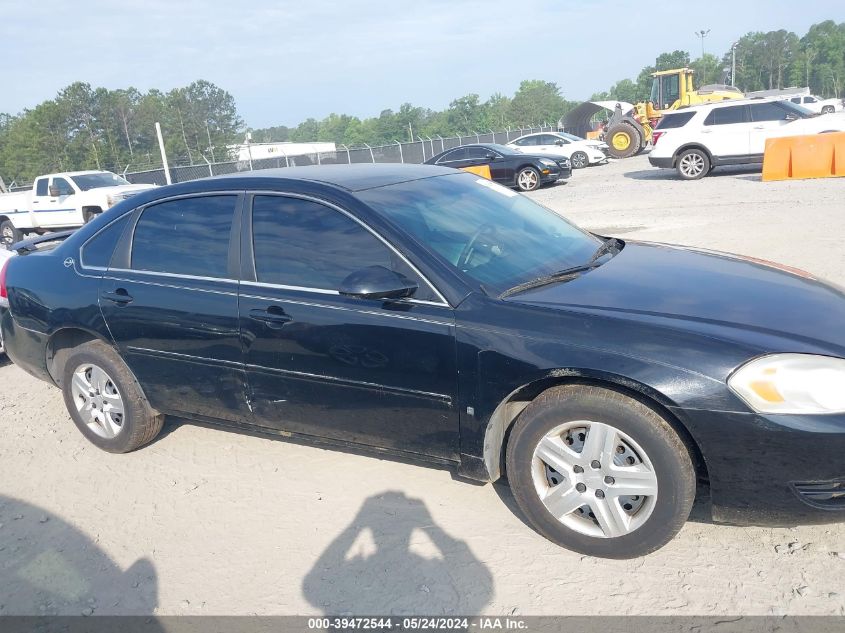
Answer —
655 136
3 293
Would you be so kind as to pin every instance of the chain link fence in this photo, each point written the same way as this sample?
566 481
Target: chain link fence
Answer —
417 152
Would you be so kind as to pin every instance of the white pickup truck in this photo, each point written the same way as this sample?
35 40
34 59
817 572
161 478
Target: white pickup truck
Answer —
61 201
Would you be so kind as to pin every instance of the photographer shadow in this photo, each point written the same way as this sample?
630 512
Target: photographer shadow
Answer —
394 560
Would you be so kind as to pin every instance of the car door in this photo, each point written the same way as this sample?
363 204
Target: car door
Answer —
725 132
767 119
555 146
60 205
170 301
373 372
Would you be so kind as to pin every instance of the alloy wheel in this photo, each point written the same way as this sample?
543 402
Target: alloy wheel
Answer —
692 165
527 179
98 400
594 479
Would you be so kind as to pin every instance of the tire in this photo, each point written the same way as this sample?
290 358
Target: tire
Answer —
632 525
527 179
9 234
579 160
623 140
113 432
828 109
693 164
89 213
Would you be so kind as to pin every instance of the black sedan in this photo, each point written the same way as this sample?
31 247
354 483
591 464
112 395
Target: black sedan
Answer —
507 166
432 314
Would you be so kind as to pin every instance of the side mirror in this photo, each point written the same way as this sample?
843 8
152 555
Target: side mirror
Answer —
54 191
377 282
559 143
790 117
491 156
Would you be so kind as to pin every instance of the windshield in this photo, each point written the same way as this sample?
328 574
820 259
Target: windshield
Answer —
95 181
498 237
571 137
798 110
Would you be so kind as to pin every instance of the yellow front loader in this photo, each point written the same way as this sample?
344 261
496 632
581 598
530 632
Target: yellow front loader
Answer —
628 133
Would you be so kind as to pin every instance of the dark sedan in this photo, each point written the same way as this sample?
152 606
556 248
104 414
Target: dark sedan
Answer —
435 315
507 166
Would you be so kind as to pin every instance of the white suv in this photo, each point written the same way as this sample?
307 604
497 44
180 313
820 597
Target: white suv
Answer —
694 140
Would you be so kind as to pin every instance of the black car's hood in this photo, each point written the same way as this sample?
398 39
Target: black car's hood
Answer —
723 295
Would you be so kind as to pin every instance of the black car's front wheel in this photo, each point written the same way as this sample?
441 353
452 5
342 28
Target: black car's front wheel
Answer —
528 179
599 473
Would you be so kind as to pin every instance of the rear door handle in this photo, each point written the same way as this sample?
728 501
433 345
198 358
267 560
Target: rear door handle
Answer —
272 316
119 296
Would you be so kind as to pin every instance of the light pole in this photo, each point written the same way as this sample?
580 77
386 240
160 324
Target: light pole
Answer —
702 34
733 63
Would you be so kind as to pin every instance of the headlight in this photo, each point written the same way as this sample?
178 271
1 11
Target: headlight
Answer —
792 383
547 162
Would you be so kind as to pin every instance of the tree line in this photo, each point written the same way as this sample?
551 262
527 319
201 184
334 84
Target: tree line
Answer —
535 102
97 128
764 61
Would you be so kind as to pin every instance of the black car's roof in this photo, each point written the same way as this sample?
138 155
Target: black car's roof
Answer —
356 177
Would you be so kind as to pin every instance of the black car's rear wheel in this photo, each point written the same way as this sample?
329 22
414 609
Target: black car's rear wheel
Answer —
105 401
599 473
528 179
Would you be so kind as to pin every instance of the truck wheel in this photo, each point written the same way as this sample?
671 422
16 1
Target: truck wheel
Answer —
599 473
89 213
105 401
623 140
9 234
828 109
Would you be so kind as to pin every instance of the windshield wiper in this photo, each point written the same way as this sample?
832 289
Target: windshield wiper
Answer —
609 245
548 279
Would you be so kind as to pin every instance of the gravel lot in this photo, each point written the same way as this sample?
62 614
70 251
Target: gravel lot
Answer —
206 521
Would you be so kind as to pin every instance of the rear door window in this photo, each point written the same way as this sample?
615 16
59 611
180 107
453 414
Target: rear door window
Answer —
187 236
455 155
727 115
528 140
678 119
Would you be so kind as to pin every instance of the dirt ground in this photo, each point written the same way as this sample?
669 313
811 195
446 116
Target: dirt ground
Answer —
206 521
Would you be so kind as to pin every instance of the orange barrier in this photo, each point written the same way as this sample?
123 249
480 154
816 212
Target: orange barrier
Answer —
480 170
811 156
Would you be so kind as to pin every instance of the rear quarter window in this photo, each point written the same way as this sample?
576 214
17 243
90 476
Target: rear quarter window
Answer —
98 250
679 119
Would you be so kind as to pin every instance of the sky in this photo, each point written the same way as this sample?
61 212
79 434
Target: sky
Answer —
286 61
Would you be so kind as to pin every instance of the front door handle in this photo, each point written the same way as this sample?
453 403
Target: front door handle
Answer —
119 296
273 316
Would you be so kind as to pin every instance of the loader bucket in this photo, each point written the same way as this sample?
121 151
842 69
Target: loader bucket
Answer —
578 120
